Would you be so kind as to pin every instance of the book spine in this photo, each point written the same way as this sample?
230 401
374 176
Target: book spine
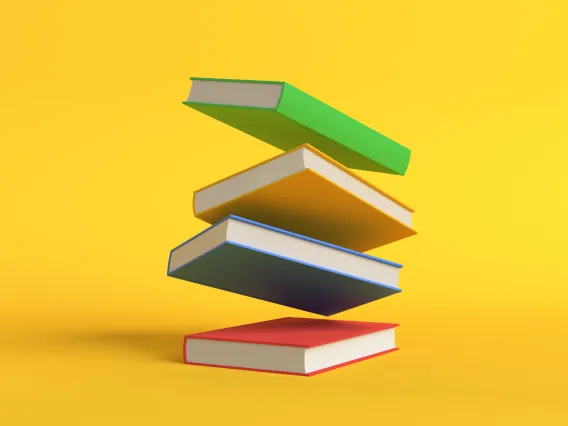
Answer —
343 137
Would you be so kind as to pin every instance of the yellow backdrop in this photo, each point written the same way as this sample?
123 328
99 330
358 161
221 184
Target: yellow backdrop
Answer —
99 160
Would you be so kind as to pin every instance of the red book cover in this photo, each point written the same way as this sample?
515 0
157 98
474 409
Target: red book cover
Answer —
301 332
298 332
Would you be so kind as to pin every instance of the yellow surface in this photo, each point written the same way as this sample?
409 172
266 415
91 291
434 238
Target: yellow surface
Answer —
311 205
100 159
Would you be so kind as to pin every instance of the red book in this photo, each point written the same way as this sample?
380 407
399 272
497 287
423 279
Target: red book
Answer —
300 346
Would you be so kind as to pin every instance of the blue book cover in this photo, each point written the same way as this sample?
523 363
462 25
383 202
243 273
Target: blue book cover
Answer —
274 265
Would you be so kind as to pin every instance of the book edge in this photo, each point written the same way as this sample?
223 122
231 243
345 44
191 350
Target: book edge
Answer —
237 80
313 240
190 104
313 373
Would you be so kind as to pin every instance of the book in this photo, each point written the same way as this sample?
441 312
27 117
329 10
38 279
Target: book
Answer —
306 192
260 261
299 346
282 115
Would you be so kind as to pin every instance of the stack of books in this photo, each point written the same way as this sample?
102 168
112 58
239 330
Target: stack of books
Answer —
293 230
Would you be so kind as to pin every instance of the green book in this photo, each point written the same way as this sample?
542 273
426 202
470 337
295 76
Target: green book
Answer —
285 117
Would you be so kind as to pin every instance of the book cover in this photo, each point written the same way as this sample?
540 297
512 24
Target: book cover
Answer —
293 331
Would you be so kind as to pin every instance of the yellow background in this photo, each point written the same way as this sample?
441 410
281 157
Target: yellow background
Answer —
99 160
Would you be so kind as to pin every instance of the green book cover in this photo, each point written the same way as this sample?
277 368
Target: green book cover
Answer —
286 117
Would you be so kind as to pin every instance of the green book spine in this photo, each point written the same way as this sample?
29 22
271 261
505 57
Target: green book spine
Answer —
300 118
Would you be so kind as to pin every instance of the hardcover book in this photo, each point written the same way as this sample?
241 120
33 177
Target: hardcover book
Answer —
274 265
285 117
308 193
299 346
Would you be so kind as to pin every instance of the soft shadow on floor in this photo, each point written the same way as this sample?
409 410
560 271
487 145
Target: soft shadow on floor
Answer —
157 345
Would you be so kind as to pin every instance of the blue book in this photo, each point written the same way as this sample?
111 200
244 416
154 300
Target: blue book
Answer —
274 265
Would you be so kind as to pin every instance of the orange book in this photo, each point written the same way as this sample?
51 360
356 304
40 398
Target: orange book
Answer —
306 192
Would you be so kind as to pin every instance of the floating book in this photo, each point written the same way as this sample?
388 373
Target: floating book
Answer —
284 116
308 193
267 263
290 345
